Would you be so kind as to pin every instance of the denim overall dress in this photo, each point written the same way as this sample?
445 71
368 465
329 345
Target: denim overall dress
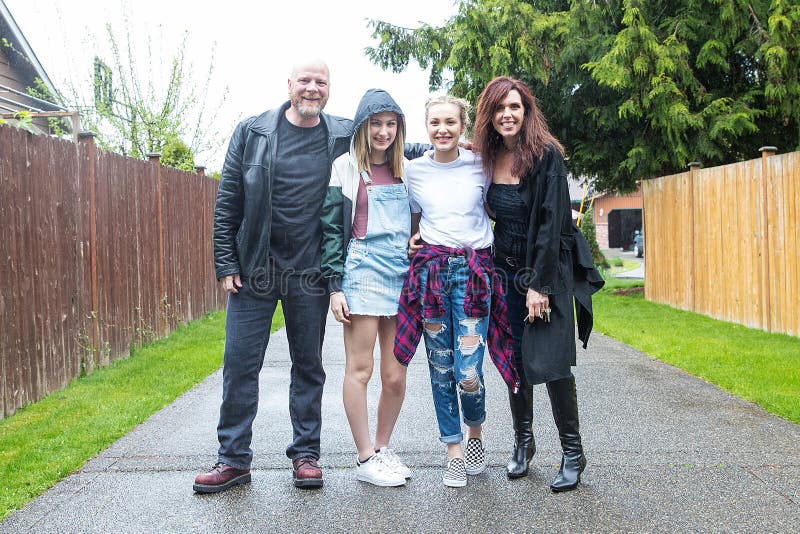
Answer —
376 264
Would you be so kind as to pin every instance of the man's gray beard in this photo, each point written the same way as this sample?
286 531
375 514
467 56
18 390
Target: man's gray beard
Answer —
309 111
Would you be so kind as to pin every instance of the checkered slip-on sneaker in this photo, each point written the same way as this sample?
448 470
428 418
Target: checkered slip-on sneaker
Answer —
456 474
475 457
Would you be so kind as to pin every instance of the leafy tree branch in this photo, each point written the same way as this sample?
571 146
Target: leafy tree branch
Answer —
633 88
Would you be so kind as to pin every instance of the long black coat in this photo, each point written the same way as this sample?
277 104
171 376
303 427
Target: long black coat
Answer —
558 264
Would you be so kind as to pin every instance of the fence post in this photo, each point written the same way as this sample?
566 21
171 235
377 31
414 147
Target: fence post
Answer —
766 304
87 138
155 159
201 173
694 166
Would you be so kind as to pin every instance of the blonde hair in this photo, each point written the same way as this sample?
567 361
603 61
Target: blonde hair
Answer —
394 154
462 104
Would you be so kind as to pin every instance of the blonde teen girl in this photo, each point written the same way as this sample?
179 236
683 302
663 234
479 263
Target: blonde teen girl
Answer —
366 224
450 296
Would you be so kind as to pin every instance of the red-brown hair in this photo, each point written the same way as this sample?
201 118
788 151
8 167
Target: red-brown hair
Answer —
534 136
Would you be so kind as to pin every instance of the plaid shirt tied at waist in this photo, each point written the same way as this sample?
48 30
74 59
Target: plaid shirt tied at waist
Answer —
432 258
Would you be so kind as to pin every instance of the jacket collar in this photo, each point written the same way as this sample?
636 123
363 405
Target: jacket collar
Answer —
267 122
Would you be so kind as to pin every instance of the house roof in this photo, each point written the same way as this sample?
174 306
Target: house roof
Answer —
635 193
31 68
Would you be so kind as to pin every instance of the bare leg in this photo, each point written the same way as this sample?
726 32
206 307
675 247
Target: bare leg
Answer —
454 450
474 432
359 344
393 383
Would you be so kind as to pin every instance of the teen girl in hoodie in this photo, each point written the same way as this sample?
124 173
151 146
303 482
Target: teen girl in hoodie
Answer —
366 223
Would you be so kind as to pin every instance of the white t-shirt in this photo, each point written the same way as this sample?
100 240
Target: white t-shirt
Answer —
450 197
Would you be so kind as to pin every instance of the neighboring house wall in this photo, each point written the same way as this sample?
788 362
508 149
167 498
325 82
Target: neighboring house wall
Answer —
19 70
14 71
7 76
601 234
604 204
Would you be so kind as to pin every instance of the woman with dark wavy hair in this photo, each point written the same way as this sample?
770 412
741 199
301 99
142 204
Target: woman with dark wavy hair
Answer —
541 258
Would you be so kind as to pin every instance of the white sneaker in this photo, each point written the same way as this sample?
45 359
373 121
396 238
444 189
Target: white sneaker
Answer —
394 461
475 457
376 471
456 474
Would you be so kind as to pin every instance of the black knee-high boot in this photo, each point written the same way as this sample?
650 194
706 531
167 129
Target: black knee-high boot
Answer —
564 401
521 404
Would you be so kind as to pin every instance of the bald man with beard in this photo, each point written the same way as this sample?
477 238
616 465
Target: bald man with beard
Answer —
267 245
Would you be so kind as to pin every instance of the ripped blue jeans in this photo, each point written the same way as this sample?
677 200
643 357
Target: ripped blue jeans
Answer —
455 345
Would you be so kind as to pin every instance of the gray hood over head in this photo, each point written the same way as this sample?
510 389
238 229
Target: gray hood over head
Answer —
375 101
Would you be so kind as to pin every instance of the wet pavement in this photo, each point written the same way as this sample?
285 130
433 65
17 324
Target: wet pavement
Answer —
666 452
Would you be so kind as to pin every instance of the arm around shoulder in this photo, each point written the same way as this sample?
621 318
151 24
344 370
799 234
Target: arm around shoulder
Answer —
415 150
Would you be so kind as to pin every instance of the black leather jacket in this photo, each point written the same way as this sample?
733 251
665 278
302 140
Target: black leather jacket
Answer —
243 210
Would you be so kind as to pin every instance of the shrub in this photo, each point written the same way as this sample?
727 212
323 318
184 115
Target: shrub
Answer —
587 228
176 154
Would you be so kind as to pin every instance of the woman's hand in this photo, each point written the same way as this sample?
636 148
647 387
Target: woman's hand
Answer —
414 245
339 308
538 306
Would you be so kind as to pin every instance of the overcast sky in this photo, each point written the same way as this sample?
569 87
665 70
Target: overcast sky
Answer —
256 45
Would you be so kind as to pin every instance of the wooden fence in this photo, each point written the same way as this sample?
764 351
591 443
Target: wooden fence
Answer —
725 241
98 252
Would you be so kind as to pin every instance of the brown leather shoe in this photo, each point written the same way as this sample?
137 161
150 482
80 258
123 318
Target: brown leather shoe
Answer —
307 473
220 477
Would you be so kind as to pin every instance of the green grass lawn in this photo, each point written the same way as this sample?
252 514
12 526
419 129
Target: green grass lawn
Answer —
46 441
619 266
752 364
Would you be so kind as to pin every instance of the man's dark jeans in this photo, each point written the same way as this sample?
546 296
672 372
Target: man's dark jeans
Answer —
248 321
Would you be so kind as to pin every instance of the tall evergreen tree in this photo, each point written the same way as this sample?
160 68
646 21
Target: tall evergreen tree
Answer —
633 89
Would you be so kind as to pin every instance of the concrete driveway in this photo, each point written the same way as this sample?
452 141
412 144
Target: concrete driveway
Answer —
667 452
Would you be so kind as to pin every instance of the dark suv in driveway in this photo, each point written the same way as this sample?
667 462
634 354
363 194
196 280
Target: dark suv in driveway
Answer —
638 244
